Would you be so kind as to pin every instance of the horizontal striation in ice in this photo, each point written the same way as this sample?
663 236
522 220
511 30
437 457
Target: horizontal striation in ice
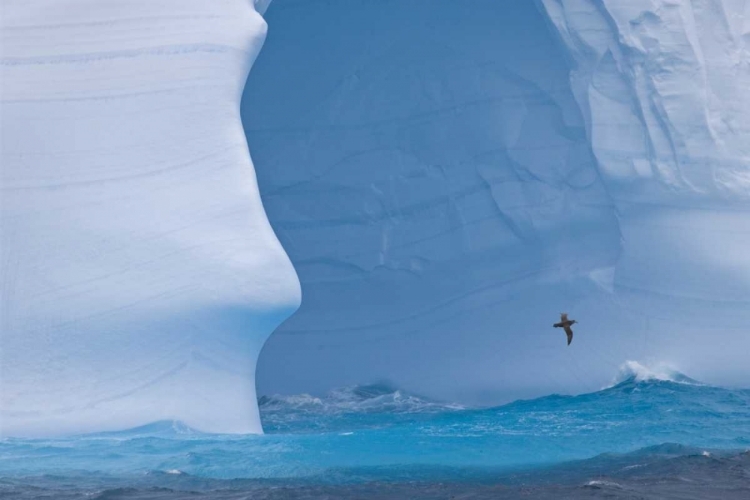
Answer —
140 276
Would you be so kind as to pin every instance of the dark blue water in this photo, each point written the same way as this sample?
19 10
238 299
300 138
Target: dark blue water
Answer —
377 435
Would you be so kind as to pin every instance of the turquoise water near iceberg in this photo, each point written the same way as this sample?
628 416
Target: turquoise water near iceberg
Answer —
378 433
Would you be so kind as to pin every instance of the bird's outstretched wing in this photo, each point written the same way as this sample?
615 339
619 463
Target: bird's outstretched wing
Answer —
569 333
563 317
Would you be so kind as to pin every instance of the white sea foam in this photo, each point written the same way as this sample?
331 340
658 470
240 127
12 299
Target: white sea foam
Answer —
660 371
600 483
355 399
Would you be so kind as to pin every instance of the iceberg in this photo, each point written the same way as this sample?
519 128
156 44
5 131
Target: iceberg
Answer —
662 88
427 168
447 177
140 275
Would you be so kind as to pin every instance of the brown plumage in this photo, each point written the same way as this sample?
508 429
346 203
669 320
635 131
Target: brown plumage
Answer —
565 324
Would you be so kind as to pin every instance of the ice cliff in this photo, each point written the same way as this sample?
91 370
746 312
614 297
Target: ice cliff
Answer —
140 276
427 169
448 176
663 90
662 86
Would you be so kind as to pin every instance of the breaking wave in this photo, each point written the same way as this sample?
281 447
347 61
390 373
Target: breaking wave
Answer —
354 406
633 371
358 398
382 433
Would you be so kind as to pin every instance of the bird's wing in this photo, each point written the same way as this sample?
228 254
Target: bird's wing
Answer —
563 317
569 333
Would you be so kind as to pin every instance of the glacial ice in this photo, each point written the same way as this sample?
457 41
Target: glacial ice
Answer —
140 276
451 175
662 86
446 177
433 185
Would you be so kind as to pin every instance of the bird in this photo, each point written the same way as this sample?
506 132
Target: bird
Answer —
565 323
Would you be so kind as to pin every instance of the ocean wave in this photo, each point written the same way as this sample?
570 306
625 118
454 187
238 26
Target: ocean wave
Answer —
635 372
345 409
162 428
386 398
372 398
598 483
375 432
656 472
354 408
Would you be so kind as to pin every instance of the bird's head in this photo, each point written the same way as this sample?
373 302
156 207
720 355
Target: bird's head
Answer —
573 322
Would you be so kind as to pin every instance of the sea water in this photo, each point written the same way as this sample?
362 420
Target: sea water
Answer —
377 441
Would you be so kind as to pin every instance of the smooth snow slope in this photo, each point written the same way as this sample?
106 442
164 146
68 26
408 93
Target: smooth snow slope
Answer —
140 276
448 176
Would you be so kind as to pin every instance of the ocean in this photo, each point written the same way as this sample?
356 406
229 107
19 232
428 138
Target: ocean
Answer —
646 436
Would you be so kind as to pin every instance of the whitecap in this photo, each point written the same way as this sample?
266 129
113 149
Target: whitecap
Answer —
601 483
660 372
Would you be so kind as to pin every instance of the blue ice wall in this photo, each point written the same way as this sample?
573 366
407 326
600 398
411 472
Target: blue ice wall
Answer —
448 177
426 167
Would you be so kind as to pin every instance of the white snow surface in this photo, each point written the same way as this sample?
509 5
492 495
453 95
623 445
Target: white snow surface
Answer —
140 275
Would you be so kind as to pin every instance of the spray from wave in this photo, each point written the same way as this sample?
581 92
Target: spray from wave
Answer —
356 399
634 372
386 398
360 406
379 432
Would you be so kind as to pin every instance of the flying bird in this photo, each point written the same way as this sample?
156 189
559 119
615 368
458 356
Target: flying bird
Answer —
565 324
